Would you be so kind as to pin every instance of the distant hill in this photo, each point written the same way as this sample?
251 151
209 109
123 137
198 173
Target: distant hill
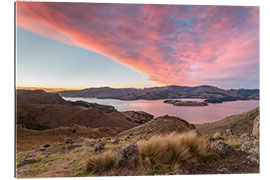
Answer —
240 123
210 93
38 97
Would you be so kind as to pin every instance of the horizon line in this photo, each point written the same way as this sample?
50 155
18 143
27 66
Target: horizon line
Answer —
51 89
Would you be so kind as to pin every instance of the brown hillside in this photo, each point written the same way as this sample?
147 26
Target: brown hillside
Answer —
241 123
28 139
38 97
48 116
161 125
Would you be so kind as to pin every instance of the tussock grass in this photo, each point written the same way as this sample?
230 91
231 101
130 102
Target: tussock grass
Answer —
158 155
101 162
167 153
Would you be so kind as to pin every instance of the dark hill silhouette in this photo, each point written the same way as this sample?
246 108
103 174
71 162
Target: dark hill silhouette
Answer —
40 110
210 93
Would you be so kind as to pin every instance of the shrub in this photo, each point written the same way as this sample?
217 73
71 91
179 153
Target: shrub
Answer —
163 153
101 162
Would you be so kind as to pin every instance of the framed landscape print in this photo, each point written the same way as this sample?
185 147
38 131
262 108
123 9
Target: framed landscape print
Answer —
113 89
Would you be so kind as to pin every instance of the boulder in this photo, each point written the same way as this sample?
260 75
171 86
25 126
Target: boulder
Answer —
222 148
126 154
67 140
256 127
29 159
227 132
23 171
99 147
116 141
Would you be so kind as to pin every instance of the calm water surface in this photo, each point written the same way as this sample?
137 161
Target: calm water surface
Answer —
195 115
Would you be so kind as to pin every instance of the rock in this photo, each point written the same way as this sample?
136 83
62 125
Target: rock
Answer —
251 147
99 147
126 154
249 144
69 148
29 159
80 139
227 132
222 148
116 141
223 170
46 145
254 159
46 154
23 171
41 149
256 128
67 140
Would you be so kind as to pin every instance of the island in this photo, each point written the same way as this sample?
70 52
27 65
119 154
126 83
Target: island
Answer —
185 103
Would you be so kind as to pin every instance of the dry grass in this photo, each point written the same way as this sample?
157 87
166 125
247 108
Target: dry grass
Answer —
158 155
101 162
217 135
167 153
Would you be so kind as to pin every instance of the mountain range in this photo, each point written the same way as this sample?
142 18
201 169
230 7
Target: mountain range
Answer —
211 94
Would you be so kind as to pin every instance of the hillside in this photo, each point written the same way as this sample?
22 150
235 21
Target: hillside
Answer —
210 93
148 149
57 138
24 97
47 118
39 110
240 124
161 125
28 139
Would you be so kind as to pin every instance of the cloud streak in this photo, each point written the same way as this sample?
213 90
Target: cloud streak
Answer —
183 45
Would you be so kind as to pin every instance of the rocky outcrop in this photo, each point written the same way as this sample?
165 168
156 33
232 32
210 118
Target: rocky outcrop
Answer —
256 128
126 154
29 159
222 148
23 171
99 147
249 144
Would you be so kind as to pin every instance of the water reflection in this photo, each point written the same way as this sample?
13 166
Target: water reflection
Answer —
195 115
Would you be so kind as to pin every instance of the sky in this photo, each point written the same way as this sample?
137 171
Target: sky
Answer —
78 45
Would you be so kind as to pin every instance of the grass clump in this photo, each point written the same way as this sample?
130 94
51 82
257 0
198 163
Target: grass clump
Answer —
101 162
163 154
217 135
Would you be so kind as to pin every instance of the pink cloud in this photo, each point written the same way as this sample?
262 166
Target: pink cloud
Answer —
184 45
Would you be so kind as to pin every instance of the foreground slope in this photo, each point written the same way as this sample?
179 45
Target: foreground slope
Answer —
239 124
159 153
